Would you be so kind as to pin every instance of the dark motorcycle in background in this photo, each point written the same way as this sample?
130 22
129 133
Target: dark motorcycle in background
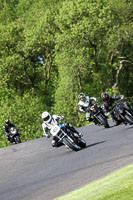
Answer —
14 136
99 117
123 113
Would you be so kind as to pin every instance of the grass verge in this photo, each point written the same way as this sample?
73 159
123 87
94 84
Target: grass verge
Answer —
116 186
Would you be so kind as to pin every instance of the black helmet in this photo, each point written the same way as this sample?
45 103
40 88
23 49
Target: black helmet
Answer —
7 121
105 96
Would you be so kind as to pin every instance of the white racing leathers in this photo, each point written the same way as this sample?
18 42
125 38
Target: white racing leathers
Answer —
48 126
84 105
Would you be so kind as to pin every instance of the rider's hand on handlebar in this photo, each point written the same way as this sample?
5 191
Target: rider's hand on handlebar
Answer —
122 96
107 114
62 118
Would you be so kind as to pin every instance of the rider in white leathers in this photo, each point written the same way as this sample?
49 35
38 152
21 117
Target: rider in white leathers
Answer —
84 102
49 121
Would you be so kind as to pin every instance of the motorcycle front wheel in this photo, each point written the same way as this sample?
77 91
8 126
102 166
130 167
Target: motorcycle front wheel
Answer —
129 118
78 140
81 142
17 139
103 121
70 144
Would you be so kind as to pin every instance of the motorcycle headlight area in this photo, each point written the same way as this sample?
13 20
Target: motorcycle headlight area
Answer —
120 111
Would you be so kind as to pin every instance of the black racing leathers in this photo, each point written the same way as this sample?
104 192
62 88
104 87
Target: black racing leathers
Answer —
108 105
6 129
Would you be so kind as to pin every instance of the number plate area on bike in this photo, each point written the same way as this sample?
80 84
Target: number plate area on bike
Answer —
55 130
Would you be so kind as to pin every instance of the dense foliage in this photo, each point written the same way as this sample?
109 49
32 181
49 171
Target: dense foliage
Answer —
85 46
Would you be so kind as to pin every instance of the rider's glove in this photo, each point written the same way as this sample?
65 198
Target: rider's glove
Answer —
62 118
122 96
89 119
7 135
46 135
107 114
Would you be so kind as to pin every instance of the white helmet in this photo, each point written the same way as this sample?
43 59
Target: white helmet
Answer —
46 117
82 96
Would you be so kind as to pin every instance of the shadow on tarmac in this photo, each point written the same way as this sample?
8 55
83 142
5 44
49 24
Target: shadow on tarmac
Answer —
91 145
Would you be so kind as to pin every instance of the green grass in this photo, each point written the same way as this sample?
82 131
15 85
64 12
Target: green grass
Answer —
116 186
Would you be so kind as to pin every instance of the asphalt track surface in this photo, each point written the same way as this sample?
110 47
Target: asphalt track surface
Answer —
35 171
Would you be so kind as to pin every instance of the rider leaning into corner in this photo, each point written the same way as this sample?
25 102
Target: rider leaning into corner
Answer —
49 121
6 128
83 104
108 102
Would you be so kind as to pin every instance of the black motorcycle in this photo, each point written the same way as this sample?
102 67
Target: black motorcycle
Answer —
123 113
98 115
78 139
14 136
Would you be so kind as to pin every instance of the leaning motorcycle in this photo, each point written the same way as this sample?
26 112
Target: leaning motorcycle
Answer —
78 139
123 113
14 136
98 115
64 138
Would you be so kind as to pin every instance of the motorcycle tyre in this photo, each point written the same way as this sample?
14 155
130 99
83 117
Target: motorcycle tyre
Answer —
17 139
71 145
81 143
104 121
129 118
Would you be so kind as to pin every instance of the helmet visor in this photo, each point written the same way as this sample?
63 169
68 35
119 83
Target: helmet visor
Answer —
82 98
46 118
7 122
106 99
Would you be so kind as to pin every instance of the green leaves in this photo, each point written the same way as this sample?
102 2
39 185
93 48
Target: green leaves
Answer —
82 44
